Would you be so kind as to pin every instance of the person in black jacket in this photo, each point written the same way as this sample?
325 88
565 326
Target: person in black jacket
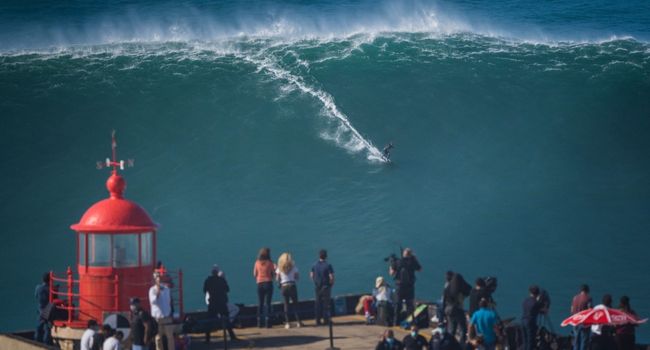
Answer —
478 292
217 288
388 342
404 274
414 340
443 340
142 329
531 310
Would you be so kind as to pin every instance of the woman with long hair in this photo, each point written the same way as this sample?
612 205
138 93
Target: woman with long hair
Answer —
287 275
625 337
264 273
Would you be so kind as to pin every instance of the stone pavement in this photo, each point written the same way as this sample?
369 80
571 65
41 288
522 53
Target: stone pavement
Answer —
350 332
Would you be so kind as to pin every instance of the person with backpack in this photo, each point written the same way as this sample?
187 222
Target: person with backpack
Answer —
403 272
322 274
216 289
453 298
143 327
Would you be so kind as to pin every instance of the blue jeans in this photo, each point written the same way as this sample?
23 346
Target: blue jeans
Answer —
264 295
581 338
42 333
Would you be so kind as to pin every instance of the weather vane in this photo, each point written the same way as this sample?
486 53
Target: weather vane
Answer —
114 162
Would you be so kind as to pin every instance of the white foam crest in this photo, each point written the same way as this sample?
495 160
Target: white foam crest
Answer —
355 143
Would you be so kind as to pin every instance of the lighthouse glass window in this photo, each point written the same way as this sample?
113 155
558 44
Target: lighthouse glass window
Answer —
125 250
99 249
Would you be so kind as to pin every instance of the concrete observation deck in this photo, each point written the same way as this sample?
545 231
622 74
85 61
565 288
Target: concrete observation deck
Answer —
350 332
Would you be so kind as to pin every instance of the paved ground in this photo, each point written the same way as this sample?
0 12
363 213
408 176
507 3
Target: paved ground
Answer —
350 332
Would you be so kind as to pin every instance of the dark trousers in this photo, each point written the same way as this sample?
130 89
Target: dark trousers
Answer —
264 295
42 333
290 294
221 311
322 303
530 335
626 341
405 297
456 321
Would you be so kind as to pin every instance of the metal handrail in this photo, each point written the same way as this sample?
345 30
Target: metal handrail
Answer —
69 294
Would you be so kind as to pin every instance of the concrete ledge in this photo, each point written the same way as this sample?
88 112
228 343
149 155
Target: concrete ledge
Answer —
13 342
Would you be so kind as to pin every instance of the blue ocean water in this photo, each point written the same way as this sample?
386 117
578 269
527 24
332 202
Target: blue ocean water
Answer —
520 130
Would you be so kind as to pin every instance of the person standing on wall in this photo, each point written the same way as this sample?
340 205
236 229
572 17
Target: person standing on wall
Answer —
161 310
322 274
404 274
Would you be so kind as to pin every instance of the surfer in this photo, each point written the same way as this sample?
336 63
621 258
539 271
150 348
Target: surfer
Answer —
386 152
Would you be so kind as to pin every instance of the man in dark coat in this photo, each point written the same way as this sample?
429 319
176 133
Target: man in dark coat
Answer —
217 288
404 274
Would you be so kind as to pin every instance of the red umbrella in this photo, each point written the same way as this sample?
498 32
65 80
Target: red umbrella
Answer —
601 314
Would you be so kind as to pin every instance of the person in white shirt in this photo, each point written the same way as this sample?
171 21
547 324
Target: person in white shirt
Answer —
161 310
89 335
114 342
287 275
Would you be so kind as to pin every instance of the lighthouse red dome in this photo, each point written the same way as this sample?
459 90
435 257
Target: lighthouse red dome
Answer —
115 214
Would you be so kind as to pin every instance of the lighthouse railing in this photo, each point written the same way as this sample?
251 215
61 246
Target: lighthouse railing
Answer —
65 297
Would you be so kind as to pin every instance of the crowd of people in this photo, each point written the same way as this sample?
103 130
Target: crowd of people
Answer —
478 327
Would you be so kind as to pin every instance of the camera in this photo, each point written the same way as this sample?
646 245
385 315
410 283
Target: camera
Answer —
392 261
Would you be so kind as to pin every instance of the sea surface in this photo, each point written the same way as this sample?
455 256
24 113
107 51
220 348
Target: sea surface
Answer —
521 132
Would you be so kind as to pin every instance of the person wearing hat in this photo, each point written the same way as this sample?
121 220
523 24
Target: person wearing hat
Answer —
142 330
383 297
161 310
216 289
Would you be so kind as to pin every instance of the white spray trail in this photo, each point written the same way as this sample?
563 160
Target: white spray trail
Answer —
373 153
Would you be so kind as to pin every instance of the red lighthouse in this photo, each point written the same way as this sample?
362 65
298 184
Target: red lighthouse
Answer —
116 256
116 242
